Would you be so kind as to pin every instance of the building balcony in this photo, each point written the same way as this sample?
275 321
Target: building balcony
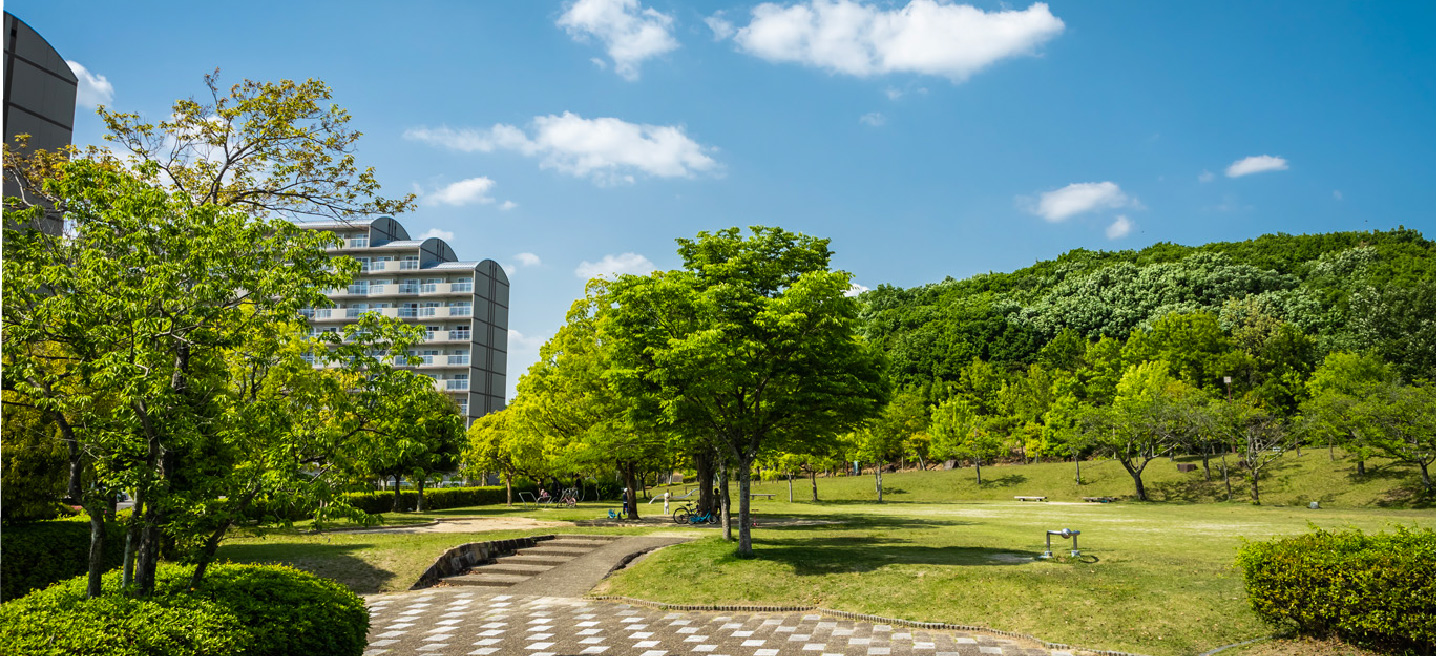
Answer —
460 311
457 360
453 385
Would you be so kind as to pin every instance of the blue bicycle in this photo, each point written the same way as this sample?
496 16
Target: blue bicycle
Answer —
687 515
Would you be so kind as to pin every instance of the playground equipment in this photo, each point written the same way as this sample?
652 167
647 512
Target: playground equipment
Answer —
1071 533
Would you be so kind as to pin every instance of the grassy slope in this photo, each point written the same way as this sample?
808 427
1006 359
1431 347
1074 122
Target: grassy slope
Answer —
1290 481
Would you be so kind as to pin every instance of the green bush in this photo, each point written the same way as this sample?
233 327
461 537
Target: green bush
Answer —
1372 590
36 554
255 610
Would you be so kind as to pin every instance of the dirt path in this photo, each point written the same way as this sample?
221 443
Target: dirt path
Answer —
465 525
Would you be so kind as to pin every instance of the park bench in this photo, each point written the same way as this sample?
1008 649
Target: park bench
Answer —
1100 499
1031 498
758 494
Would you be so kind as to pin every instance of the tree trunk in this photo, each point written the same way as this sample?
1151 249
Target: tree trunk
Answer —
705 477
745 549
1425 475
814 489
73 489
132 540
727 530
1360 467
879 489
792 487
1332 449
1254 485
977 472
420 496
1077 466
629 471
1225 472
509 500
1205 459
1135 473
395 505
96 565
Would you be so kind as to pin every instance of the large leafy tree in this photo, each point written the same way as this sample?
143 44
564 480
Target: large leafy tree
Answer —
754 342
569 399
154 334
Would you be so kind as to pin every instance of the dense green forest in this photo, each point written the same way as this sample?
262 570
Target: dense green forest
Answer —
1352 291
1249 347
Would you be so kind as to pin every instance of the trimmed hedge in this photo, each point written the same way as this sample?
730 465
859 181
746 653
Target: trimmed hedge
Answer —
255 610
1372 590
36 554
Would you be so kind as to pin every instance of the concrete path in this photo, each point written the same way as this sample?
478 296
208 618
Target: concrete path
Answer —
478 622
545 616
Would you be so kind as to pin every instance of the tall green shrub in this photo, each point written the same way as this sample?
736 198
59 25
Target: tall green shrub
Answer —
1373 590
250 610
36 554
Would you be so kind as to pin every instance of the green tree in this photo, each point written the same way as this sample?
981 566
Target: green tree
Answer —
1399 421
135 333
958 431
263 147
753 343
1334 393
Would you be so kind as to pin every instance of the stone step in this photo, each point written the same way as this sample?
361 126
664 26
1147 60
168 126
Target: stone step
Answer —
515 569
533 560
487 580
562 552
567 543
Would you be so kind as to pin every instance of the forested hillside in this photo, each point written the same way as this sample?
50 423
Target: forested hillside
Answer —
1352 291
1247 348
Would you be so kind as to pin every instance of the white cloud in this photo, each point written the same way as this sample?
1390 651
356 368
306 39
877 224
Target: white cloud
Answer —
631 33
1206 176
723 29
509 205
606 150
893 93
1256 164
93 90
527 259
633 263
927 37
1060 204
464 192
1120 227
856 290
442 235
875 119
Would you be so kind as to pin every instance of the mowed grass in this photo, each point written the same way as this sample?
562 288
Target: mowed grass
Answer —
1156 578
1153 578
1290 481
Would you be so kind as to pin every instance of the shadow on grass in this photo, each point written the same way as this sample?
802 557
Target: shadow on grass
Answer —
1010 480
883 522
331 561
822 556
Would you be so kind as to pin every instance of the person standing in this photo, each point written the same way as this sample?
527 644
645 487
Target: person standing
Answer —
667 503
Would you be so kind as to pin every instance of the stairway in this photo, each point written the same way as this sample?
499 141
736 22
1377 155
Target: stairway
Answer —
530 561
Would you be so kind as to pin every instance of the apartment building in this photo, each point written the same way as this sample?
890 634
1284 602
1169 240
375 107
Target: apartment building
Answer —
464 306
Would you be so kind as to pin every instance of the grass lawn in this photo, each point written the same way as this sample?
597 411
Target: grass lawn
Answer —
1156 578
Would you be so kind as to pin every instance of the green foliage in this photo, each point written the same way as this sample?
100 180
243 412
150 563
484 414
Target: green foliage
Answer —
34 555
252 610
1374 590
375 503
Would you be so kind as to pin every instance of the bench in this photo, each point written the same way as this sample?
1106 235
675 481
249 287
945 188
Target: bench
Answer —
757 494
1100 499
1031 498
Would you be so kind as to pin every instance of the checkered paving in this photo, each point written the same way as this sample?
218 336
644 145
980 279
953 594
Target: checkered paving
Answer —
452 621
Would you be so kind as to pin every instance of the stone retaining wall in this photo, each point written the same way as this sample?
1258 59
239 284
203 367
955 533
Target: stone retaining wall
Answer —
458 559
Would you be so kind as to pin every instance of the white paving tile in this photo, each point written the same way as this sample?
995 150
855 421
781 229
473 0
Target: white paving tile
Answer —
538 646
877 651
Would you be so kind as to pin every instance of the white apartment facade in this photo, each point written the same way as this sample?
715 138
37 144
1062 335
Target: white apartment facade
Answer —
464 306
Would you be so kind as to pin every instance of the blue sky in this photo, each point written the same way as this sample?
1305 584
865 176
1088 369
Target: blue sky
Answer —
924 138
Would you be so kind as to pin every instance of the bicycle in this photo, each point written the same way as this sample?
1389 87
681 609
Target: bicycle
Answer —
687 515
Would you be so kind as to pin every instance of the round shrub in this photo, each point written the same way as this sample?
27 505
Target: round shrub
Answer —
253 610
1373 590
